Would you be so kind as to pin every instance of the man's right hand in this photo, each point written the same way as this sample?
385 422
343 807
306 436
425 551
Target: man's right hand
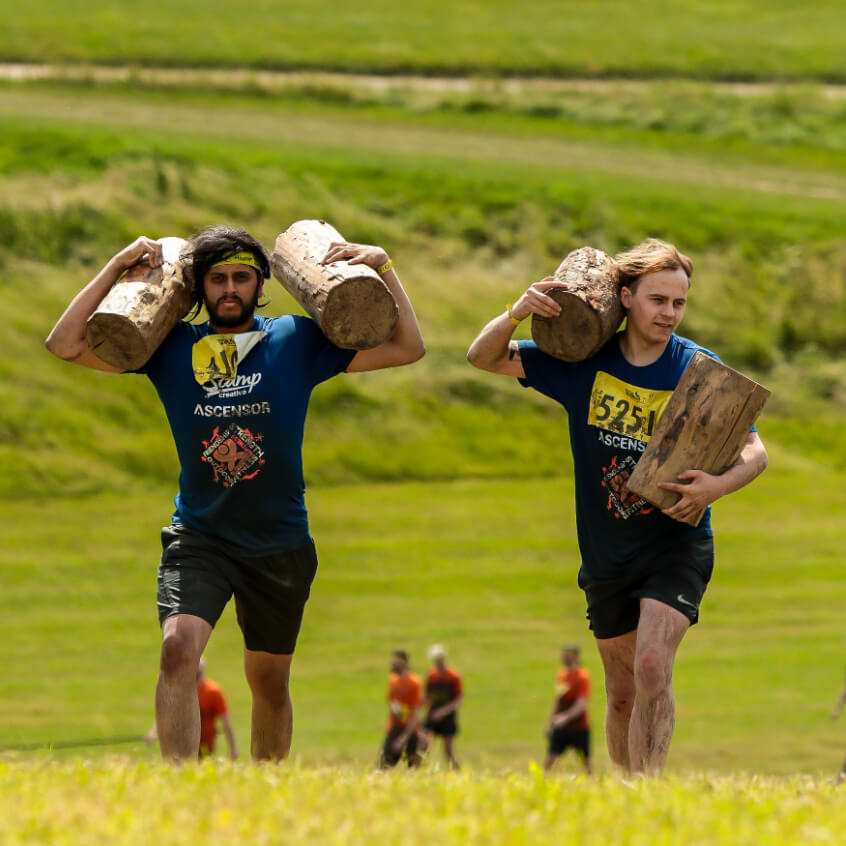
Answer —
537 301
142 248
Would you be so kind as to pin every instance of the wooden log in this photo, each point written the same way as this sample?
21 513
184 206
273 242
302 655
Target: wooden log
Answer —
591 311
703 427
140 310
350 303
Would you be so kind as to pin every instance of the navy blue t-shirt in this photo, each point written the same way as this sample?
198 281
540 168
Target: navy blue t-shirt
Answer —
613 408
239 439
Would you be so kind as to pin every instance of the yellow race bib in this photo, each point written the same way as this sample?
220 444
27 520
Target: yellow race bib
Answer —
616 406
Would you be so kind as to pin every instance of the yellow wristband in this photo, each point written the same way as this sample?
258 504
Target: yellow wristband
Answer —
383 269
511 316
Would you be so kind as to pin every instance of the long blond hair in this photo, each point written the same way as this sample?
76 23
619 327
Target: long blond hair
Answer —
650 256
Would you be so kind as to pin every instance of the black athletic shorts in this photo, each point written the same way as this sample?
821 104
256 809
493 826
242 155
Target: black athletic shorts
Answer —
562 739
198 575
447 727
390 757
677 577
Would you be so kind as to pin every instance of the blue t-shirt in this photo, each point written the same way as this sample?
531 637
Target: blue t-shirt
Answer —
613 407
239 439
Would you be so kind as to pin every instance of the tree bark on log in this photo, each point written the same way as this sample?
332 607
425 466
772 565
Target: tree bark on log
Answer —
140 310
350 303
591 311
703 427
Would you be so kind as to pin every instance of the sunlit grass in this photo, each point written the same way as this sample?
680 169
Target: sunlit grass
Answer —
112 801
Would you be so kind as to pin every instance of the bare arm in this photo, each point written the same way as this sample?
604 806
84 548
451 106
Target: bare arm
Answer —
572 713
838 706
230 736
411 727
699 489
450 708
405 346
493 350
67 338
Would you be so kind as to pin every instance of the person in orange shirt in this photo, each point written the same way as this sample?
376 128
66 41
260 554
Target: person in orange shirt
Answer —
568 724
213 707
444 695
405 698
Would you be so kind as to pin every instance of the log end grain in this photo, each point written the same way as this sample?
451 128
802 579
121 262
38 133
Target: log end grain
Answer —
117 340
572 336
140 309
360 314
591 308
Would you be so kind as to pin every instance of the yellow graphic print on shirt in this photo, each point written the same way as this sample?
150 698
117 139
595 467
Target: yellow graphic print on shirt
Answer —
215 358
628 410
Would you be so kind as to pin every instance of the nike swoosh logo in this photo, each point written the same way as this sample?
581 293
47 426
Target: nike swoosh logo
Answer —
681 599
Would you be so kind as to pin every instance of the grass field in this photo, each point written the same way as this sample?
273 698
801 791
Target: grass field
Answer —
440 497
697 38
116 802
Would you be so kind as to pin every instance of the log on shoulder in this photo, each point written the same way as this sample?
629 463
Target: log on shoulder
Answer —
703 427
140 310
591 311
350 303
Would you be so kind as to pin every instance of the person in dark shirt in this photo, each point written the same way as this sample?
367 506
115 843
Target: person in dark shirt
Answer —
444 695
235 390
644 571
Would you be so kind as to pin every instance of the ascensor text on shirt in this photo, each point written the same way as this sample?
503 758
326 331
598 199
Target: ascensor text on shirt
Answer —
242 410
621 442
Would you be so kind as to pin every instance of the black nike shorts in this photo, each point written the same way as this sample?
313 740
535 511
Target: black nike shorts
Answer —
446 727
561 739
198 575
390 757
677 577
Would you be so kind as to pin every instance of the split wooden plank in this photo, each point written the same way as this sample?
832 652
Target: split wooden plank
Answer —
703 427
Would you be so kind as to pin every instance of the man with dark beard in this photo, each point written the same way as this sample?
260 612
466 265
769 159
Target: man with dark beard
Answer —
236 391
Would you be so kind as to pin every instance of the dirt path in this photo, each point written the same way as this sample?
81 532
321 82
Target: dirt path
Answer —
241 78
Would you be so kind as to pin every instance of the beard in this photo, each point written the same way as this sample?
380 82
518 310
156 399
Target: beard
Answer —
232 318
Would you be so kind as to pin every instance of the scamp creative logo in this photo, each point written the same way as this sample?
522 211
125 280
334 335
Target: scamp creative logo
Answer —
233 454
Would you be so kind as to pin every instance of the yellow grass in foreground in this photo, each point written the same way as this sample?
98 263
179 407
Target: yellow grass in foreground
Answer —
116 802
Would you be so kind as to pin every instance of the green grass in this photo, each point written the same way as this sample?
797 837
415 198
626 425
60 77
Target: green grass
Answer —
114 802
695 38
440 496
487 567
471 214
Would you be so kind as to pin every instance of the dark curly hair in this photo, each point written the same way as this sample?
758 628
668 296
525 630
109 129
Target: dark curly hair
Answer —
209 246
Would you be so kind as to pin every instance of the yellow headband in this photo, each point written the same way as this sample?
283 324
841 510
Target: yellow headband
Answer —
240 258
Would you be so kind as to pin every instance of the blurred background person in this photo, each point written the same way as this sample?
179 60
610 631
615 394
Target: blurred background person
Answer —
444 695
569 724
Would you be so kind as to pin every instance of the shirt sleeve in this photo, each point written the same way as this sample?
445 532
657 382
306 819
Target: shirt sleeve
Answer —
458 686
324 358
546 374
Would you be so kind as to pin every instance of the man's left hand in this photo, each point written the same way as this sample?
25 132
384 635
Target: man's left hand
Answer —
367 254
698 489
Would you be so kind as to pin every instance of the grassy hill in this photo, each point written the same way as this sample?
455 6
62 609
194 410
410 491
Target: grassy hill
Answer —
440 497
711 39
